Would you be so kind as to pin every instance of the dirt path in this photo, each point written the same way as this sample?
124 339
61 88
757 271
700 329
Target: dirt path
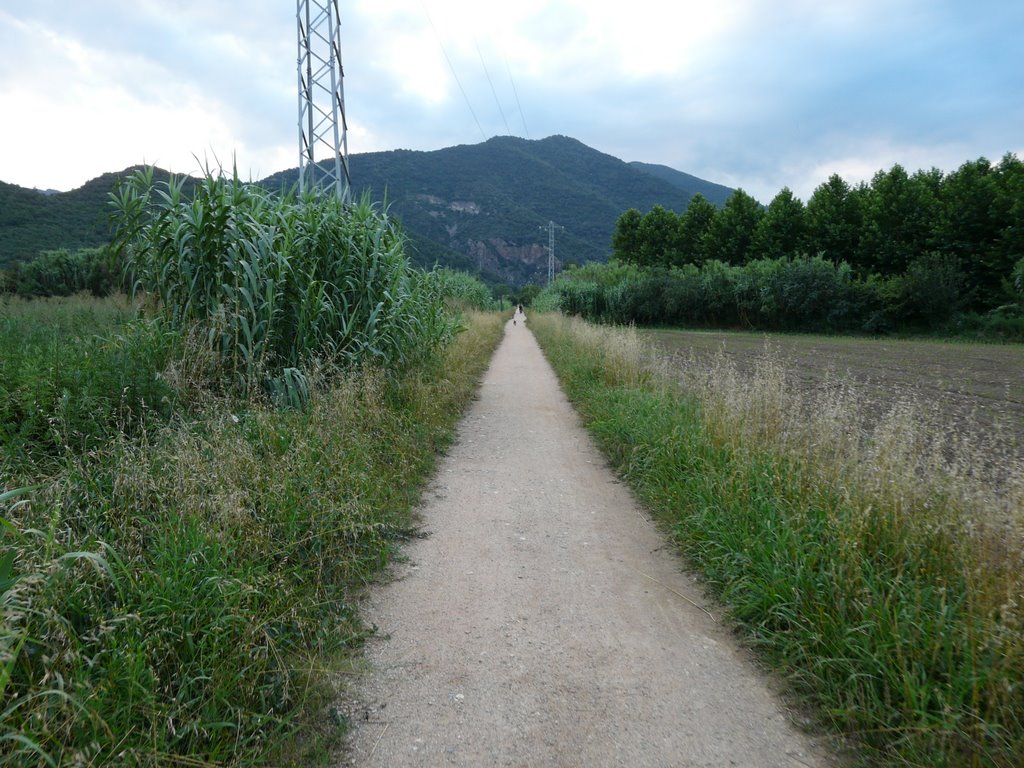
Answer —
544 623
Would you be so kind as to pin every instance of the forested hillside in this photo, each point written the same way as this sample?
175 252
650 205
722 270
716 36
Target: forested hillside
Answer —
476 207
32 221
483 206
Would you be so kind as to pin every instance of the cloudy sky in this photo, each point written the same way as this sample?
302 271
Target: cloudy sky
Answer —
757 94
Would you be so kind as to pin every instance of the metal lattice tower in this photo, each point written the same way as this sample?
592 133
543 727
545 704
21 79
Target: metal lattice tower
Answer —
323 132
551 249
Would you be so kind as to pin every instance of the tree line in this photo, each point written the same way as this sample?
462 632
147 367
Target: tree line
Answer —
968 224
64 273
927 252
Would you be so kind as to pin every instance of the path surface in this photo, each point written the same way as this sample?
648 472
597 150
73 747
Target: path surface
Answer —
543 622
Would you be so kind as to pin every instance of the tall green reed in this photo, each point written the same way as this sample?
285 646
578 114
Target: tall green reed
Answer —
279 283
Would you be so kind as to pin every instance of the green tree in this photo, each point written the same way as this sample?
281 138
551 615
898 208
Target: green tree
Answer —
501 291
731 235
833 219
1017 280
900 213
969 228
626 237
659 237
694 226
1008 253
63 273
783 229
528 293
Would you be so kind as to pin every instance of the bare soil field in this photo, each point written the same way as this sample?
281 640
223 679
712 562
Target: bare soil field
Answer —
976 387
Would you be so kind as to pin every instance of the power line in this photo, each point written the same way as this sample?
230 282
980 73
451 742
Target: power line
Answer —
508 131
452 68
520 106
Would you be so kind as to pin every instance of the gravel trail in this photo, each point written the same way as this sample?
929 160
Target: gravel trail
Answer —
544 621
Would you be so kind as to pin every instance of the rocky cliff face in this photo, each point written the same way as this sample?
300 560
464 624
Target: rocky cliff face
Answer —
465 225
495 256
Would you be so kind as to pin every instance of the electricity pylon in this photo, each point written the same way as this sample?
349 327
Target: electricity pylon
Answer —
323 132
551 249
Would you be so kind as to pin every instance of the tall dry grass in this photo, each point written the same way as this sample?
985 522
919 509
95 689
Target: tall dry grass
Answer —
906 451
881 568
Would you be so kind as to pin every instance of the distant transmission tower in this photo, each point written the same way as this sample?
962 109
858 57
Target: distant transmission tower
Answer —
323 132
551 249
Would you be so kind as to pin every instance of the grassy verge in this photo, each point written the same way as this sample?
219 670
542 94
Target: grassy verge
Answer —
866 569
181 595
76 371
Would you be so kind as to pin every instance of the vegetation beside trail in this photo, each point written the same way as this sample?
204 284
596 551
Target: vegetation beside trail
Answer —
791 294
874 570
908 253
185 526
180 592
75 373
278 284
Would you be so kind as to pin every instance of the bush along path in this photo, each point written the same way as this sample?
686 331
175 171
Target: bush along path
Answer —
541 621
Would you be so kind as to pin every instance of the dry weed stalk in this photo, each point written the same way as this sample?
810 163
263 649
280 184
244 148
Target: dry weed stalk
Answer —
905 453
876 548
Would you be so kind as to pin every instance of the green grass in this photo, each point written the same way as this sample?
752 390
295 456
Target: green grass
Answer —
184 592
74 372
192 500
866 575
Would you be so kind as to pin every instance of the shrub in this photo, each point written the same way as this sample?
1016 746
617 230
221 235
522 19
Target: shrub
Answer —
464 290
928 293
65 273
1000 324
681 297
717 283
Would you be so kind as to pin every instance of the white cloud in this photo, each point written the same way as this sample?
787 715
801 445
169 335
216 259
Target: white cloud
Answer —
748 93
78 110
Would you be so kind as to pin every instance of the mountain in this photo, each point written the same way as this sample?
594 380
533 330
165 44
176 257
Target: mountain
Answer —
485 207
481 207
716 193
33 220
